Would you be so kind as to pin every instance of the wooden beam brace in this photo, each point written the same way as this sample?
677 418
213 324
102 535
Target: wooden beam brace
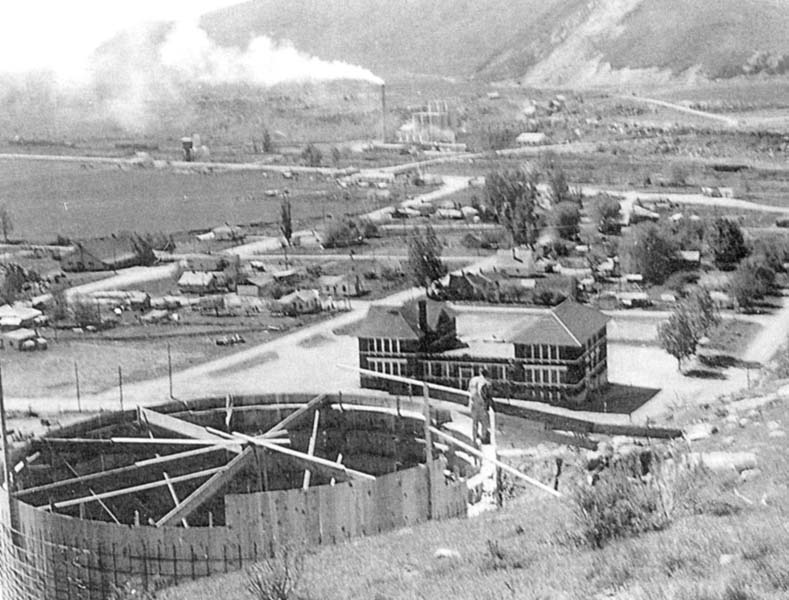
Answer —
209 488
131 490
123 444
314 462
179 427
496 462
93 478
311 449
174 496
105 507
313 404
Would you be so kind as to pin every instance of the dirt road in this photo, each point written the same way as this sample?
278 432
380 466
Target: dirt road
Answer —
684 109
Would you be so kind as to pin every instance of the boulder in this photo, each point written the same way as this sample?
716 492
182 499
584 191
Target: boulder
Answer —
726 461
749 474
699 431
446 553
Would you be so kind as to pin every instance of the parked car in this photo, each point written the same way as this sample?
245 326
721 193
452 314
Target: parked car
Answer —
230 340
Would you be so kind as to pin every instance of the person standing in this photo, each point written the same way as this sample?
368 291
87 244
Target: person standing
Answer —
480 400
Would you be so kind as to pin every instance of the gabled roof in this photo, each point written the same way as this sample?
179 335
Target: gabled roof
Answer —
331 279
197 278
568 324
109 250
303 295
400 322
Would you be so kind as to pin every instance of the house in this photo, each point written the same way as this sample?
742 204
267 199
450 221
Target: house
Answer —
473 286
228 233
107 254
205 262
559 357
690 258
16 316
201 282
15 339
302 302
255 286
531 139
286 276
341 286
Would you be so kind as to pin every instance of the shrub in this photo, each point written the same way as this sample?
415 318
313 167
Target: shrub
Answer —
277 578
619 505
726 242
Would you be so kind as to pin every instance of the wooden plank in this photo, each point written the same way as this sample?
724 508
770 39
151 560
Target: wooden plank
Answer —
207 490
92 478
174 496
121 444
311 449
182 428
313 404
105 507
131 490
318 464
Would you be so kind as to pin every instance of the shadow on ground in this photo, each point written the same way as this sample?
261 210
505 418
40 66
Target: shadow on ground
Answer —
621 399
725 361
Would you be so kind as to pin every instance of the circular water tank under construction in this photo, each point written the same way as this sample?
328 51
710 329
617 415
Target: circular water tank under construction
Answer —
183 490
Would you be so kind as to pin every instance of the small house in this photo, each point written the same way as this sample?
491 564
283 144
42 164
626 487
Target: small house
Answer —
690 258
528 138
106 254
517 262
15 339
228 233
302 302
255 286
16 316
341 286
200 282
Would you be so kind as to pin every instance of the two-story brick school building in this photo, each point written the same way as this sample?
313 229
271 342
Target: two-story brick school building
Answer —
559 357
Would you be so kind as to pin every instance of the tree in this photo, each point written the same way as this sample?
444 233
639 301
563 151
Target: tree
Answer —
726 242
513 196
752 281
6 224
311 156
677 335
14 278
285 220
558 186
268 145
650 251
336 156
703 312
424 257
607 212
566 219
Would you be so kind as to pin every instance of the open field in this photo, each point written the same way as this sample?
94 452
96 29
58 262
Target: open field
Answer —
47 199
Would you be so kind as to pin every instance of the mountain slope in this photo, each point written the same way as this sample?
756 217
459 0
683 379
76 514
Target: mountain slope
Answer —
563 42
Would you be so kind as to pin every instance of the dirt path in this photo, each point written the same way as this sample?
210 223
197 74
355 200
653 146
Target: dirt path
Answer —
690 111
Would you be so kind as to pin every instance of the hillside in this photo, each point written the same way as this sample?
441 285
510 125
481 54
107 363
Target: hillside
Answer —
556 42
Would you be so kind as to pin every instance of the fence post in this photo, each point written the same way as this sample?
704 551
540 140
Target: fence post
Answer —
428 451
170 369
120 385
76 381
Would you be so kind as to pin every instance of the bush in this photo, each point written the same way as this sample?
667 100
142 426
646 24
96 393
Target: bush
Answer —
726 242
341 234
619 505
277 578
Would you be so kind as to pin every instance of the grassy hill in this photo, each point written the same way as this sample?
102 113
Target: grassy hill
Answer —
531 39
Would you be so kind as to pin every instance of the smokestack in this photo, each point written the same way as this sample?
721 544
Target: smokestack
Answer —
383 113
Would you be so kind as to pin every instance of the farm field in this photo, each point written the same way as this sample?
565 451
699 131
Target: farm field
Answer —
47 199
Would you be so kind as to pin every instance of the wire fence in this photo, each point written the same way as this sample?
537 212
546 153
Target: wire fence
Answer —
32 568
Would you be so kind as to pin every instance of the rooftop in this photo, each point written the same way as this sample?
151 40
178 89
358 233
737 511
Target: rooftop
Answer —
568 324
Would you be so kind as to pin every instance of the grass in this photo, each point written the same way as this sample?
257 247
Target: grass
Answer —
728 540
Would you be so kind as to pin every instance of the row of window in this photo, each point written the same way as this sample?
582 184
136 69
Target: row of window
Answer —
382 346
388 366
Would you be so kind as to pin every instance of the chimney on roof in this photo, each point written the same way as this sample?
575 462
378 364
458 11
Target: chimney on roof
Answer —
423 315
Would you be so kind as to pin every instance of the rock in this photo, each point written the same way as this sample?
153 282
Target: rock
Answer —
752 414
748 404
773 425
447 553
726 559
749 474
726 461
777 433
699 431
732 419
728 440
743 422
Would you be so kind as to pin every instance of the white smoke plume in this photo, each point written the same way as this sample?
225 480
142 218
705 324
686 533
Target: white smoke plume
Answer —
191 53
132 79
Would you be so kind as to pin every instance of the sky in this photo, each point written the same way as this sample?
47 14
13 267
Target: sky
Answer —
60 34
